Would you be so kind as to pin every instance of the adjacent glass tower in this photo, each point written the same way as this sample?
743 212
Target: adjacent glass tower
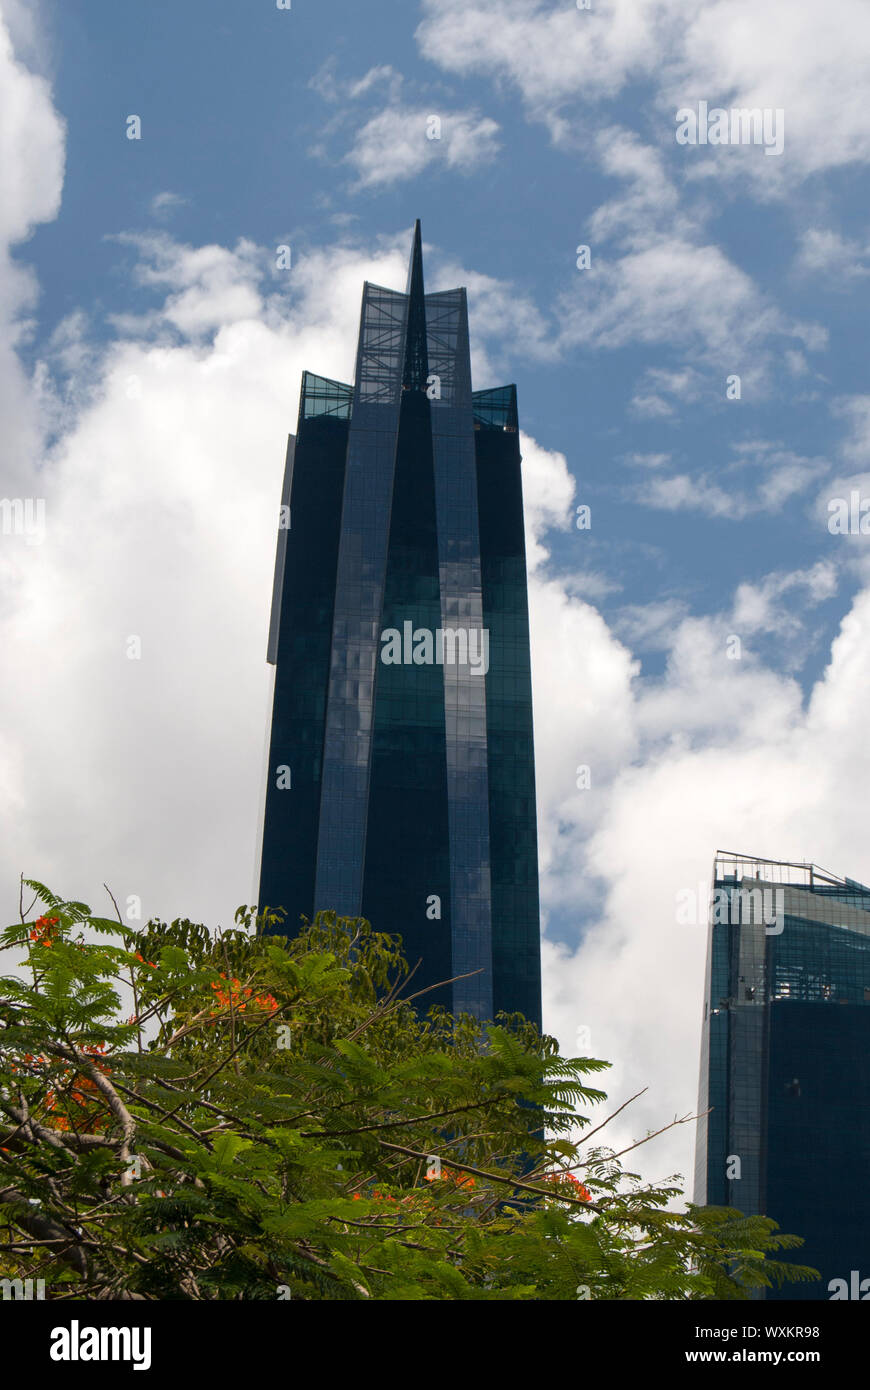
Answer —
785 1063
401 783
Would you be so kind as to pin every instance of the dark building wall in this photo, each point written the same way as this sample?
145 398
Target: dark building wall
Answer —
359 592
818 1137
302 667
785 1069
407 842
711 1188
448 357
510 738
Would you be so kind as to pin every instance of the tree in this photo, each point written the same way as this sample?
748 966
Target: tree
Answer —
247 1116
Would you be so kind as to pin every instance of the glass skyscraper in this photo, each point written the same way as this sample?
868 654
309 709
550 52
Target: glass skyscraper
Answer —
401 782
785 1063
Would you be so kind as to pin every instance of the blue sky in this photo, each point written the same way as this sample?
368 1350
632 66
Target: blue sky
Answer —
151 371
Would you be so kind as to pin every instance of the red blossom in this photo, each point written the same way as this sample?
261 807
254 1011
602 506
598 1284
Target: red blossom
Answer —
42 932
580 1189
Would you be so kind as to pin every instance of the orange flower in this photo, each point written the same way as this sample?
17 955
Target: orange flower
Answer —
580 1189
84 1101
267 1001
42 932
235 989
238 997
458 1179
139 956
29 1057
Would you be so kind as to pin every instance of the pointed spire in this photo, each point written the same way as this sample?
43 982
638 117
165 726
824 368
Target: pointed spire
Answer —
415 265
416 368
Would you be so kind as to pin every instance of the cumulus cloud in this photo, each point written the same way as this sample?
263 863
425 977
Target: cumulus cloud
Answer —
548 492
806 61
212 286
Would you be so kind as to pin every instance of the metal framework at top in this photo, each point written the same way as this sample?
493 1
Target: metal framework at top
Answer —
731 865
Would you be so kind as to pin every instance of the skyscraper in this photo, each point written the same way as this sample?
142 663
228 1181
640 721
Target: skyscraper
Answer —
401 783
785 1063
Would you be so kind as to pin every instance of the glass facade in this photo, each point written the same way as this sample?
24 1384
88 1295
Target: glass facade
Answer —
402 715
785 1061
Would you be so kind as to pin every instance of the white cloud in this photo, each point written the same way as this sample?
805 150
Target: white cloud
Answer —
650 206
31 148
651 625
331 87
548 492
648 405
757 607
394 144
403 138
648 460
502 319
809 61
31 172
682 492
805 59
825 252
162 205
778 474
552 53
855 410
687 296
213 286
668 285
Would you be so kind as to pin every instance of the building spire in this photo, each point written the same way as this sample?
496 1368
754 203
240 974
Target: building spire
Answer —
416 368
